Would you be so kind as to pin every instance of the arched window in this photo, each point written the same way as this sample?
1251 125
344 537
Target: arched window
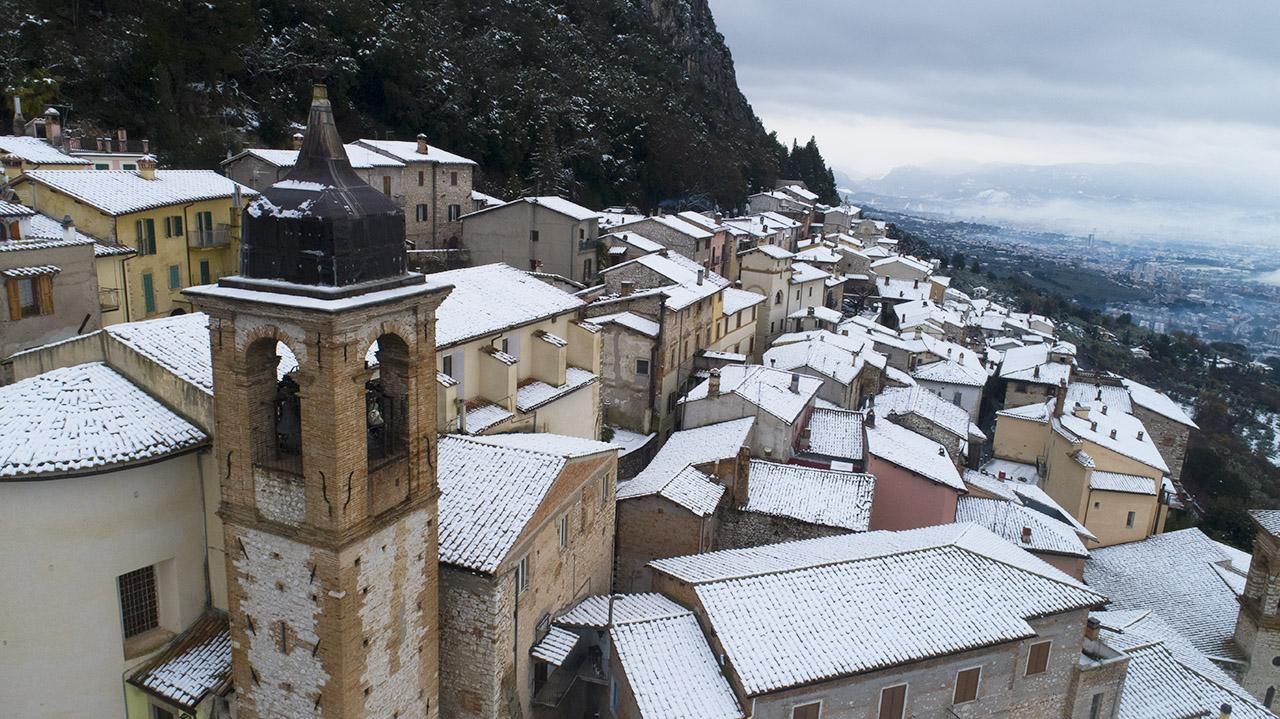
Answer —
386 400
275 408
777 299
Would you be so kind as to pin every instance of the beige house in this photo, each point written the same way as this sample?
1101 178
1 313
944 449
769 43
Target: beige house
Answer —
789 287
435 190
539 234
1099 463
261 168
513 558
512 355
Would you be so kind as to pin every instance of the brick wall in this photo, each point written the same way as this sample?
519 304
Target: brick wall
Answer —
650 528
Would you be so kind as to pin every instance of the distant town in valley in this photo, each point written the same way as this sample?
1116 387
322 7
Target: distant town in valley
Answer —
479 360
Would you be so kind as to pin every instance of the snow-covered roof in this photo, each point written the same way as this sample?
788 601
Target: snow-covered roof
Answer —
768 389
802 272
10 209
36 151
565 207
1117 482
492 298
773 251
682 274
120 192
817 496
490 488
801 192
1268 519
672 671
555 647
1158 402
913 452
486 200
1037 412
1032 364
890 288
536 393
826 314
1092 394
819 254
928 406
407 151
360 157
950 372
596 611
195 663
1179 576
1131 437
636 240
735 300
630 320
682 226
1168 676
1011 520
1018 471
924 268
670 473
825 358
835 432
180 344
902 597
85 418
1024 491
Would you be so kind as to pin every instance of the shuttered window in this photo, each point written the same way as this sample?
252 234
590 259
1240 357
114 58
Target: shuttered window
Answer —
1038 658
29 296
807 711
893 702
967 685
149 293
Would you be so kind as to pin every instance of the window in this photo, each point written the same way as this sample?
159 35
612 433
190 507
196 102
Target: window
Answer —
1128 522
671 401
777 299
422 178
149 293
139 608
642 366
812 710
1020 387
956 399
1267 699
204 229
145 231
562 529
173 226
453 178
604 489
1038 658
1095 706
613 696
160 713
586 269
101 166
455 211
797 295
522 575
205 276
420 213
893 702
582 233
29 296
128 166
811 292
386 185
175 277
446 365
533 235
967 685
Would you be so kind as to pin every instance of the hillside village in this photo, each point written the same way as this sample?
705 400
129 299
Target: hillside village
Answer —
327 432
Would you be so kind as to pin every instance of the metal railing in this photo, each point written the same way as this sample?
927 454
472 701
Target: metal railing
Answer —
108 298
219 236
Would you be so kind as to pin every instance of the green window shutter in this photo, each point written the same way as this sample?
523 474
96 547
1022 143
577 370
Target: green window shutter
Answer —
204 272
168 227
175 279
142 238
177 226
151 236
149 293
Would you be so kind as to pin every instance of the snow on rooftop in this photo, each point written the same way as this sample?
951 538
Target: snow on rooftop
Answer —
180 344
835 432
665 475
672 671
36 151
824 358
596 611
558 445
1174 575
682 274
913 452
890 288
536 393
1268 519
491 298
630 320
817 496
768 389
928 406
560 205
628 441
636 240
1131 437
826 314
736 300
949 371
407 151
772 251
556 646
360 157
1021 363
907 598
120 192
85 417
195 663
1158 402
1011 520
802 272
1091 394
1117 482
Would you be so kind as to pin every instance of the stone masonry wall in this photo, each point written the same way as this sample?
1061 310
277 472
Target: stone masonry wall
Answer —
740 529
1170 437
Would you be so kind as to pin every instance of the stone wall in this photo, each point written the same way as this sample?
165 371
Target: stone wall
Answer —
1169 436
740 529
649 528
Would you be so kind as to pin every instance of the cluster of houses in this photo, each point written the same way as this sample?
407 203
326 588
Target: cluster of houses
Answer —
671 466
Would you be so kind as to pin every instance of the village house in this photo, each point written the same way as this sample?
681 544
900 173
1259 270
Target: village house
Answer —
1039 527
779 401
526 531
779 502
183 225
1033 373
1098 463
525 363
50 280
724 243
261 168
22 153
917 484
850 371
435 190
925 413
789 287
965 589
541 234
679 235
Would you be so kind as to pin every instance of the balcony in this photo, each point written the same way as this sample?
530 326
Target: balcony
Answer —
587 245
209 239
108 298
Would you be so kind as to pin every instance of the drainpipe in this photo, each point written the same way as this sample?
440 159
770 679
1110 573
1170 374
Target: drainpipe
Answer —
124 274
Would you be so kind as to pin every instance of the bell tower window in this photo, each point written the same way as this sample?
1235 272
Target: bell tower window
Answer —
275 406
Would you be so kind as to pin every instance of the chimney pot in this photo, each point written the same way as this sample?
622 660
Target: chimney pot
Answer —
1091 628
1113 434
319 92
1140 435
1093 426
462 414
627 287
915 283
886 281
870 419
714 387
1035 372
1026 535
423 147
1224 712
702 274
942 452
810 312
1104 409
1001 476
297 140
795 383
147 167
68 228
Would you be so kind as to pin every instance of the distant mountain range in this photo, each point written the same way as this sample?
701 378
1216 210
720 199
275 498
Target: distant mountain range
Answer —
1121 200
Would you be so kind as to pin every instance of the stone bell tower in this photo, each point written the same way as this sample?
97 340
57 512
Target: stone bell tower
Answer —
324 398
1258 623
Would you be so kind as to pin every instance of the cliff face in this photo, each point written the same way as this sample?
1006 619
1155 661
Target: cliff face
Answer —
606 101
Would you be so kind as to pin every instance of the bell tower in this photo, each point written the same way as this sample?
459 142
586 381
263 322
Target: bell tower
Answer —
324 399
1258 623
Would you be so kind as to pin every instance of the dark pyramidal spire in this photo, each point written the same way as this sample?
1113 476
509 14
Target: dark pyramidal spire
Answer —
322 228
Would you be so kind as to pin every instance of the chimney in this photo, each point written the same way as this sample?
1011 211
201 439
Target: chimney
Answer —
53 127
1224 711
1099 392
1104 409
713 388
915 283
147 167
462 414
1091 628
1026 535
742 482
297 140
795 383
1001 477
942 452
1093 426
810 312
19 122
702 274
844 332
886 281
1035 372
719 218
423 147
1140 435
1113 434
627 288
1060 398
68 228
146 147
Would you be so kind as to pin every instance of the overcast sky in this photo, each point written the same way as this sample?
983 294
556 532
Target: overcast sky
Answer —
899 82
